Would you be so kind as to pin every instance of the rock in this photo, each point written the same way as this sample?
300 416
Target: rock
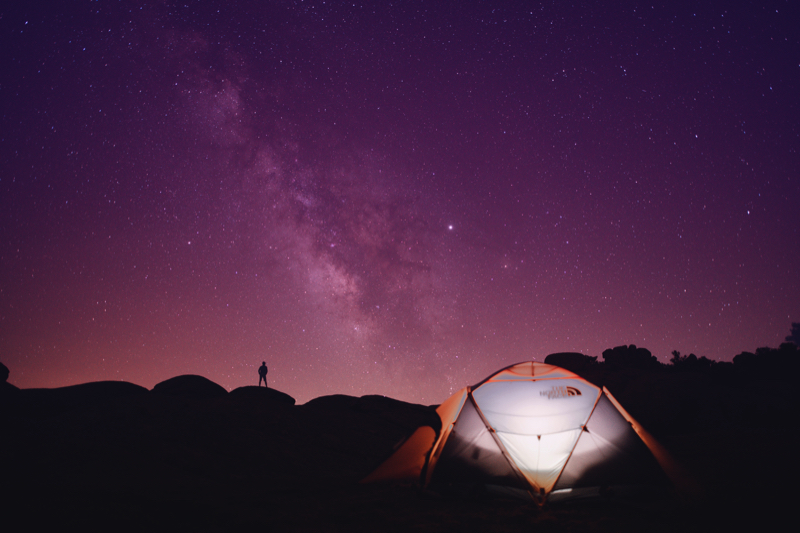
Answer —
7 391
45 403
190 385
251 392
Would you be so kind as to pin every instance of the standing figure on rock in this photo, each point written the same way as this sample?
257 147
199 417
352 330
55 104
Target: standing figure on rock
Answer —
262 374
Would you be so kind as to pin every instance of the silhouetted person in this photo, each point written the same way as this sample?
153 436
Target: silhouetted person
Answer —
262 374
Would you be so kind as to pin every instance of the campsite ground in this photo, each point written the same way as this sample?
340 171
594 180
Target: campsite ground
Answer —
124 458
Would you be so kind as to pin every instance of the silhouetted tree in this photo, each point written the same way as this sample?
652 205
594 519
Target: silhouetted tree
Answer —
690 362
679 361
573 361
787 354
782 359
703 362
794 336
630 357
744 359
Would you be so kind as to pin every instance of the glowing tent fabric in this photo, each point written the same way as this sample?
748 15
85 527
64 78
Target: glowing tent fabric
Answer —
532 429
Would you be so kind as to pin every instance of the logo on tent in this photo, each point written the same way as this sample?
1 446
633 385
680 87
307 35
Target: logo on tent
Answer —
560 392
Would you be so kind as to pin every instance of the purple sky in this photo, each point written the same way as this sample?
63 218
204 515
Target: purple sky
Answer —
391 198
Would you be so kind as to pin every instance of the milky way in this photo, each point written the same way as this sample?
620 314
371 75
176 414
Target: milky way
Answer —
391 199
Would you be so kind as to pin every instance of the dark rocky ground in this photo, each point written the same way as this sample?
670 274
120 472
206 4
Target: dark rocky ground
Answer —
190 456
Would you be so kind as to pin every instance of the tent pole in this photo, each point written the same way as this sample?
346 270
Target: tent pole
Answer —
534 493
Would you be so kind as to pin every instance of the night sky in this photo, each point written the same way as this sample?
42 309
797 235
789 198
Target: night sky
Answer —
393 198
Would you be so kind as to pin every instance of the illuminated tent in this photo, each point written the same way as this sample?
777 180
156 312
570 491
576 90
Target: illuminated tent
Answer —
533 430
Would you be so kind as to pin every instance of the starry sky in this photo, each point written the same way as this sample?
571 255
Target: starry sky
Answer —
393 198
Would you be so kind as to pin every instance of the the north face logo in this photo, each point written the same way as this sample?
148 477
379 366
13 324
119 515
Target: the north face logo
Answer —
560 392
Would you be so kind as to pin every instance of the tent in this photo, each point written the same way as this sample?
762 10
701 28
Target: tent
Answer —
533 430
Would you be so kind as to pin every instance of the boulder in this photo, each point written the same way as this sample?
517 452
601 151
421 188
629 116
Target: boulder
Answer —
258 394
190 385
45 403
